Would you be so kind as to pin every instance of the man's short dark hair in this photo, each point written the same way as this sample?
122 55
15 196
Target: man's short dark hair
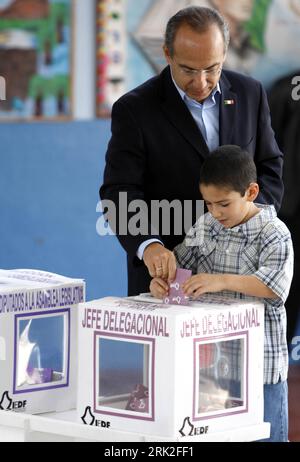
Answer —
229 167
199 18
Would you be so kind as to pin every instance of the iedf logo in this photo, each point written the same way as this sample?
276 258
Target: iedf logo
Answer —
188 429
89 419
7 404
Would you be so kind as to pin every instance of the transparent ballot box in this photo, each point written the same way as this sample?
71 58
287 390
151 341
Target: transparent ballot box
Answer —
38 340
174 371
220 370
42 351
124 386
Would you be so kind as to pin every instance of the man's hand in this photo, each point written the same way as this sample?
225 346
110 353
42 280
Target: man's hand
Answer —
203 283
160 262
159 288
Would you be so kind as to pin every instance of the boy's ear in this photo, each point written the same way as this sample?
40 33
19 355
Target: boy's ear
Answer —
252 192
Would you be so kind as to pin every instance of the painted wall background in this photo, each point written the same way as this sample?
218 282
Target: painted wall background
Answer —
49 180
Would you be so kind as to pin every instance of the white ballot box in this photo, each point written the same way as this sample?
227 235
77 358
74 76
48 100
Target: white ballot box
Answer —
38 340
175 371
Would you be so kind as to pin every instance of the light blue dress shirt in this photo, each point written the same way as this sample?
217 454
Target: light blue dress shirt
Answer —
206 116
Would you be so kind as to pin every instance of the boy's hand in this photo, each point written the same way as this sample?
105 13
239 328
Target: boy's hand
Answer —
159 288
203 283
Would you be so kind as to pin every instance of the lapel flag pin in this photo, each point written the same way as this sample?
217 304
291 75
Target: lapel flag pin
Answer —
228 102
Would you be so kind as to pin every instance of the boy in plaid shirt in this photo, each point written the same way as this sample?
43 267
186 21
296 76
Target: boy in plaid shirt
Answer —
243 250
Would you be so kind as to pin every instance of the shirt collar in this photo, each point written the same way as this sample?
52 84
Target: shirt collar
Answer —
184 96
251 228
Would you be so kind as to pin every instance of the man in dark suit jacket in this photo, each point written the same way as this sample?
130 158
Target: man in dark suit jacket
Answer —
163 130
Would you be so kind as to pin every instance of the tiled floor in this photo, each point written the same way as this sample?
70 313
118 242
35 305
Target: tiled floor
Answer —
294 403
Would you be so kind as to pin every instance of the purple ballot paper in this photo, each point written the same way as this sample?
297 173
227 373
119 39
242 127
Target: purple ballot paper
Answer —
37 376
139 399
176 295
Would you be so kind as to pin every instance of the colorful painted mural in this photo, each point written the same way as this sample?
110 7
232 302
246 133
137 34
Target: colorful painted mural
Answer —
265 39
35 58
111 53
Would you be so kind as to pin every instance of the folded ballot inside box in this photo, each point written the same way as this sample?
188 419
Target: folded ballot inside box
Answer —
38 340
174 371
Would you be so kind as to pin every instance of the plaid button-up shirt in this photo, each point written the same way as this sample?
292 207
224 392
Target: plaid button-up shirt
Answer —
261 247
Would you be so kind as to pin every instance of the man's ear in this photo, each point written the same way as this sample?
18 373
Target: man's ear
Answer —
167 54
252 192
